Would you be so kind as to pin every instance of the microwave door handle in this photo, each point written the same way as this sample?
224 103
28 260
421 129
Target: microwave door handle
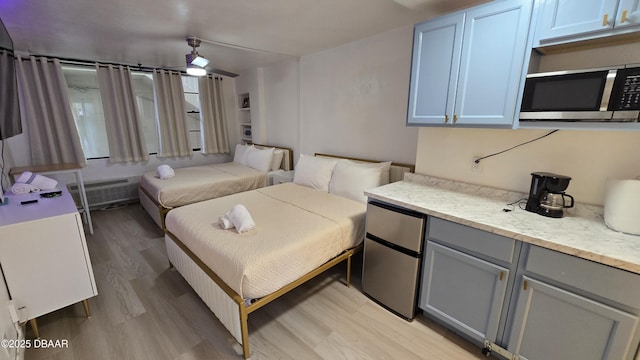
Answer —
608 88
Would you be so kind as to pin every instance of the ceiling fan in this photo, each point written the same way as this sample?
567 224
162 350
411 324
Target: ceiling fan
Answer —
196 63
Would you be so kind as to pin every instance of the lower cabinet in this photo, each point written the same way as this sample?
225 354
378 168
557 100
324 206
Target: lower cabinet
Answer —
464 291
552 323
532 302
46 264
565 307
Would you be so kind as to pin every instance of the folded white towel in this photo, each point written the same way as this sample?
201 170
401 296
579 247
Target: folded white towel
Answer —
165 172
38 181
225 223
20 188
240 218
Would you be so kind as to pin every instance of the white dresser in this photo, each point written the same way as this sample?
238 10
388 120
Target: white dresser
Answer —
43 254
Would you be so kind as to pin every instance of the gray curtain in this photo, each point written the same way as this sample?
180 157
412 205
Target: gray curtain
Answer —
44 100
171 112
124 128
213 124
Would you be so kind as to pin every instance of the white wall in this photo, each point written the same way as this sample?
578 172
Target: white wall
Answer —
353 99
281 99
588 157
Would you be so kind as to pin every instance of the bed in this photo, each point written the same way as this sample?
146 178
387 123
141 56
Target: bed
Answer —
323 219
198 183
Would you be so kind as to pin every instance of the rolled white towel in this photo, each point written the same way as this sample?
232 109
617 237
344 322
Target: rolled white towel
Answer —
165 172
20 188
225 223
240 218
38 181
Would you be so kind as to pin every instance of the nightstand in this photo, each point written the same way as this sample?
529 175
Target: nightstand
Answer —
281 177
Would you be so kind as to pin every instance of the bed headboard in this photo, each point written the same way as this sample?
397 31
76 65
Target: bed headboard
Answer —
396 172
287 159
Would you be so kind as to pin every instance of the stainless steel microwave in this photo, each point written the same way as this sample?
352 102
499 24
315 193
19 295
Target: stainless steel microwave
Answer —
608 94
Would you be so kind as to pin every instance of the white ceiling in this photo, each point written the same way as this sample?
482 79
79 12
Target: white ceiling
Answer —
153 32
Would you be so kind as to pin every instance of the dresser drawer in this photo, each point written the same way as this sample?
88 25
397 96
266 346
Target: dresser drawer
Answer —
474 240
598 279
396 225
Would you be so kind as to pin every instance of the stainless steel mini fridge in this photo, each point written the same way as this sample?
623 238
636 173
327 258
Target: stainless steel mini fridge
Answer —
392 257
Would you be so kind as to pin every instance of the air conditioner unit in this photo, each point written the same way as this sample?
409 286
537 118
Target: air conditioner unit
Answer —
102 193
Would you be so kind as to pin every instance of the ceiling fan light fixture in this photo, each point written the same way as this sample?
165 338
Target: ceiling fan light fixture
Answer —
195 62
195 70
200 61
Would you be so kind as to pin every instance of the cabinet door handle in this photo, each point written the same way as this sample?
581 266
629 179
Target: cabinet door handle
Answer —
501 275
525 285
446 119
455 118
623 18
605 20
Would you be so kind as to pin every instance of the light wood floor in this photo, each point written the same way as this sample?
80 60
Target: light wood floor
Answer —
144 310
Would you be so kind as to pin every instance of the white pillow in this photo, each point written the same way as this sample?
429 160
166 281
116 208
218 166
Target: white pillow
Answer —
260 159
278 154
314 172
350 179
240 155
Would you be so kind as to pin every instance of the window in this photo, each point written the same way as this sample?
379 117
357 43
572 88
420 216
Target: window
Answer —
143 88
86 106
192 104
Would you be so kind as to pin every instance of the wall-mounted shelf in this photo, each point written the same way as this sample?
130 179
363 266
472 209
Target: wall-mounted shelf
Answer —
244 117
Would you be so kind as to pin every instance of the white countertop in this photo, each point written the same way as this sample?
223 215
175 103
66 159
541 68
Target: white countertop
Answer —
14 212
581 232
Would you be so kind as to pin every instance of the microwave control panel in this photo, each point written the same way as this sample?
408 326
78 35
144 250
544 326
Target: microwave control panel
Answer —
626 90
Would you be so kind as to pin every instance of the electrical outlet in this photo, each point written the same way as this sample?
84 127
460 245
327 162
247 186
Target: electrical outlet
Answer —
476 166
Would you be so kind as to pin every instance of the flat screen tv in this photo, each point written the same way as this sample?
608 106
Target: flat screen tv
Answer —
10 124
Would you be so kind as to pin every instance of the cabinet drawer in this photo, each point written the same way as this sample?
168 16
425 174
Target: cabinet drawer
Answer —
475 240
398 226
598 279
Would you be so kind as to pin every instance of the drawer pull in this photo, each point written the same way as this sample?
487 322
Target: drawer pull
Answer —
605 20
525 285
623 18
501 275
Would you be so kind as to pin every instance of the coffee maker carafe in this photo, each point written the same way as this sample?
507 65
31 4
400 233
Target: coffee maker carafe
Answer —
547 196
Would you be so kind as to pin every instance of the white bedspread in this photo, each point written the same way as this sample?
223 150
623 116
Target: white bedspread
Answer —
198 183
297 230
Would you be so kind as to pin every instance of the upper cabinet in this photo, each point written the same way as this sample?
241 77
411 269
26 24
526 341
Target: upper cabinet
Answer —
563 21
467 67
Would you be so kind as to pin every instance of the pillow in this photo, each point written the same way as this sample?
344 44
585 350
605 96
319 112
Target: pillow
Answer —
240 155
314 172
350 179
260 159
278 154
384 176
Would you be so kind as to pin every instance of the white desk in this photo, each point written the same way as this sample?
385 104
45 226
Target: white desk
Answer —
60 169
44 255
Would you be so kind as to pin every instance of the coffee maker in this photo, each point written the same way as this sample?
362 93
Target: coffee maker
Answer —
547 196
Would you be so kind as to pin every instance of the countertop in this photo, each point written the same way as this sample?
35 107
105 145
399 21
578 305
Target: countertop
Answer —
13 212
581 232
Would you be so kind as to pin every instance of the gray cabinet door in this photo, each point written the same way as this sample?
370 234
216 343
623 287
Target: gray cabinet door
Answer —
467 67
434 70
491 65
563 18
550 323
463 291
